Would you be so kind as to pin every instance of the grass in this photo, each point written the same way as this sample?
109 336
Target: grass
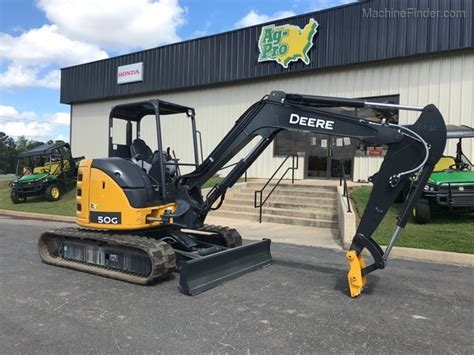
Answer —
451 231
211 182
215 180
64 207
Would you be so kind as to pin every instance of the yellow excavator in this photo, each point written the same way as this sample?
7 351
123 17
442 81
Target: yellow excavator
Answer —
140 219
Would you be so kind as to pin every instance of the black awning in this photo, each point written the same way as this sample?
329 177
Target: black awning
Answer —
454 131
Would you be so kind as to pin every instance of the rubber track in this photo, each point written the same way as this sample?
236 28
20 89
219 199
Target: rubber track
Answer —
231 235
162 255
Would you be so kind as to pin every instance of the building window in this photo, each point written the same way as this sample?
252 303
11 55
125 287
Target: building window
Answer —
376 115
290 142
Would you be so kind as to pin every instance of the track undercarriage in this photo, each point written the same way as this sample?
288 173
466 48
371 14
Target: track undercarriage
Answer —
204 257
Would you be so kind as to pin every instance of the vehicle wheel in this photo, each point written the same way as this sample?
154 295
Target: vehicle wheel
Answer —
422 211
17 199
53 193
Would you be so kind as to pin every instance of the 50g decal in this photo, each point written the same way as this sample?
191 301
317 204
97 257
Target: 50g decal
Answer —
107 220
105 217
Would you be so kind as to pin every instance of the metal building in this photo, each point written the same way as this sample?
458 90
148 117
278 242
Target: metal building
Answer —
412 52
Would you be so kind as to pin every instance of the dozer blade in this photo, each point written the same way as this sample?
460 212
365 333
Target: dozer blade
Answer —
355 278
199 275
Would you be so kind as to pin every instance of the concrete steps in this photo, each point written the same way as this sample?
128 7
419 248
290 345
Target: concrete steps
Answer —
293 204
250 216
326 206
296 193
300 213
297 185
289 198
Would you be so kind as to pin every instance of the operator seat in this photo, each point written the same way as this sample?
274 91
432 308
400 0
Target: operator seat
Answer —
444 163
140 150
141 153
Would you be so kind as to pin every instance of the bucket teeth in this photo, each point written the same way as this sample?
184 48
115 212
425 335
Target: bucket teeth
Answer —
355 278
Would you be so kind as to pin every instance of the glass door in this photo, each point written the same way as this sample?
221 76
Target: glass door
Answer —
325 154
340 153
317 153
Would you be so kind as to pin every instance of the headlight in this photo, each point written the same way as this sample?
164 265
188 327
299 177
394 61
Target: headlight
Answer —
45 180
431 188
461 188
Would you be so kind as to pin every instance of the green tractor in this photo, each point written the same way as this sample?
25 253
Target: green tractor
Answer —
451 185
48 170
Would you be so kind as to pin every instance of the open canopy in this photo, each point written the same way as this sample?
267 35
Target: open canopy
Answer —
43 149
137 110
463 131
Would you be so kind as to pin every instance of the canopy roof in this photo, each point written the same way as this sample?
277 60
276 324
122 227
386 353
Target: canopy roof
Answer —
44 149
137 110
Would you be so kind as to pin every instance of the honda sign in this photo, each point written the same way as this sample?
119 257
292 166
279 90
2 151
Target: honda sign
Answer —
130 73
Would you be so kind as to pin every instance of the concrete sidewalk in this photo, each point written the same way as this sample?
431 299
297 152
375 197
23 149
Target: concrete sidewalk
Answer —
327 238
281 233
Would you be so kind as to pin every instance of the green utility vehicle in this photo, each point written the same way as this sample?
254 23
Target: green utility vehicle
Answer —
451 185
48 170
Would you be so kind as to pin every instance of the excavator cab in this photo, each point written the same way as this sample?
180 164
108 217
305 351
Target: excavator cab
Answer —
126 142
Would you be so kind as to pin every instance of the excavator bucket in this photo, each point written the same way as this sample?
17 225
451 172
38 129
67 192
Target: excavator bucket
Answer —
355 278
204 273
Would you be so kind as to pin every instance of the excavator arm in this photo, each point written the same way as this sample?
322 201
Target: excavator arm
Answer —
412 150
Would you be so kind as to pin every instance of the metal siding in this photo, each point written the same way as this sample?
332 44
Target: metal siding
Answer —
344 37
444 80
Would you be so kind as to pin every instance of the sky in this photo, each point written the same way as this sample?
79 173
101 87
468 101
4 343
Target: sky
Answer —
38 37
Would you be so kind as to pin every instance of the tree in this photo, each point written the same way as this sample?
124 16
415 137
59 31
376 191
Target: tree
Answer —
8 154
33 144
22 144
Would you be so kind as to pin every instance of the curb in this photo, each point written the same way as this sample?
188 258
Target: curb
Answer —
434 256
441 257
40 216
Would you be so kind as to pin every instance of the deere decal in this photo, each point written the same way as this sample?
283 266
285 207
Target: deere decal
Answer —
286 43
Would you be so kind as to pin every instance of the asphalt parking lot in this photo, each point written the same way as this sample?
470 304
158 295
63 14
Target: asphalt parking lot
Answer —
297 305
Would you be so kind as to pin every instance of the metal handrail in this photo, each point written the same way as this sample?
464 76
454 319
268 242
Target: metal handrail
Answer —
260 192
345 190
